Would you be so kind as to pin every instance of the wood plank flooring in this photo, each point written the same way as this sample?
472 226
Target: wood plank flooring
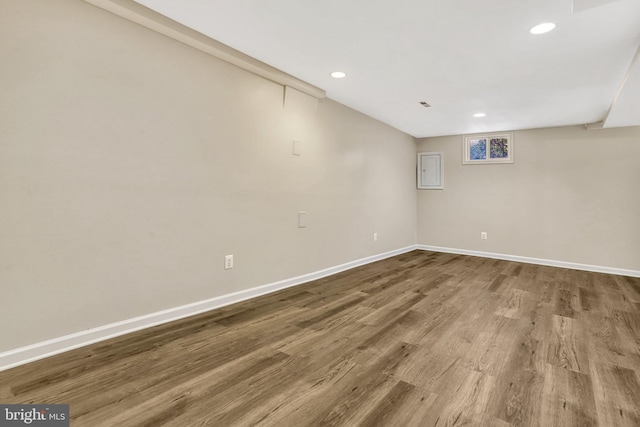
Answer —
420 339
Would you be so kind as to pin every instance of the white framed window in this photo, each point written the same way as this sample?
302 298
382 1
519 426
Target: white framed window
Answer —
488 148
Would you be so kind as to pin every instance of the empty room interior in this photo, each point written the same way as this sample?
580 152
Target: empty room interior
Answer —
290 213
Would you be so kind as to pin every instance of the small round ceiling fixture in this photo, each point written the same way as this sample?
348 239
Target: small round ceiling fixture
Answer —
338 75
545 27
479 114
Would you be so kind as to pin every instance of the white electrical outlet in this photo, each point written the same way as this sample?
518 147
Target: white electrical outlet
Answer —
483 235
228 262
375 237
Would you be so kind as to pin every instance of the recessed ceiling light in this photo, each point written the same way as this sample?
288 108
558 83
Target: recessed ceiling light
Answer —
479 115
338 75
542 28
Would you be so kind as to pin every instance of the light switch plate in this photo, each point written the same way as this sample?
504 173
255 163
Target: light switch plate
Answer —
302 219
297 147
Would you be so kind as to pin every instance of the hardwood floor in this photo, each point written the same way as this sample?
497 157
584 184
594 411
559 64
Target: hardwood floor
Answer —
421 339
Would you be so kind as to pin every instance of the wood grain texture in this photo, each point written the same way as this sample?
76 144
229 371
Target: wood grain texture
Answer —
420 339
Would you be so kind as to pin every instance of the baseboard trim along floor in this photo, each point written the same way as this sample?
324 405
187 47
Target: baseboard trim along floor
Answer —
41 350
529 260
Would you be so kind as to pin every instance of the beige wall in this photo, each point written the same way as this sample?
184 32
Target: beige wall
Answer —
130 164
572 195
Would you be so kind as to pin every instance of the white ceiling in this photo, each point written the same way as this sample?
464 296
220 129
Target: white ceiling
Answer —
460 56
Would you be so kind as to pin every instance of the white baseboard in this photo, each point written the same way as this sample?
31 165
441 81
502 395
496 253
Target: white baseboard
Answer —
37 351
529 260
41 350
